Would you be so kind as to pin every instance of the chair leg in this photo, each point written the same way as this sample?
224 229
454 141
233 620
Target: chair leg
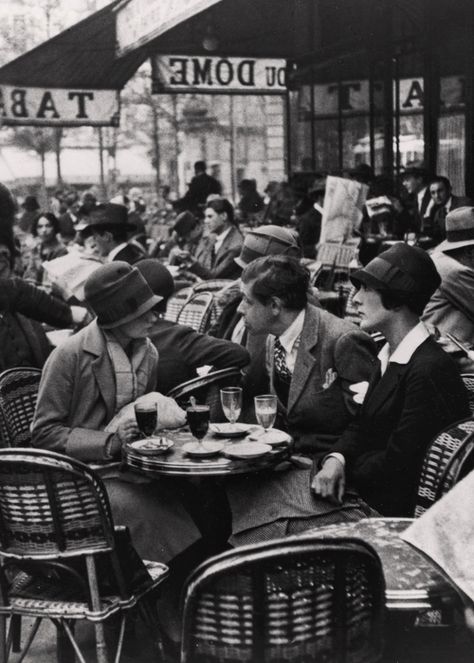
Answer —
15 626
65 644
101 647
3 639
149 614
31 637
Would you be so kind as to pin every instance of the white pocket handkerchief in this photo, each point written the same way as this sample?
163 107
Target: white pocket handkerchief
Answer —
360 390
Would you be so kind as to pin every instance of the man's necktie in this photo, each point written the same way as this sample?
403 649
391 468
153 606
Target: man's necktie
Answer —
281 367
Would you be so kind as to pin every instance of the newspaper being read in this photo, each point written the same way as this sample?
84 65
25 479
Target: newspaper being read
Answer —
445 533
342 211
70 272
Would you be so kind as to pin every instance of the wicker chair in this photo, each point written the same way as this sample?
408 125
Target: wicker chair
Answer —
213 285
176 303
289 600
55 512
196 312
445 463
206 389
18 394
468 379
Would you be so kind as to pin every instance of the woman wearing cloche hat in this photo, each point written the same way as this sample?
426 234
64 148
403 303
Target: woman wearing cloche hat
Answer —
414 394
85 383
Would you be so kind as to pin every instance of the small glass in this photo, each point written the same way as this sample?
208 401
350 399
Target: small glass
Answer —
231 401
147 418
266 411
198 422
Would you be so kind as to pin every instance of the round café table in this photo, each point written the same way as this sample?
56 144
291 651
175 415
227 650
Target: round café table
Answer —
176 462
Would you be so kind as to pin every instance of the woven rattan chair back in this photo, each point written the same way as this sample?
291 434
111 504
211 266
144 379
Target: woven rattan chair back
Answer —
206 390
196 312
18 394
289 600
176 303
213 285
468 379
51 505
443 464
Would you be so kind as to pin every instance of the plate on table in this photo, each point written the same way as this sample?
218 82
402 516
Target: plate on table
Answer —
205 450
151 446
247 450
230 430
274 437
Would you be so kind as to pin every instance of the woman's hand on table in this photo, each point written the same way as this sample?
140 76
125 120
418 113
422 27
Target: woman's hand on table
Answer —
330 481
127 431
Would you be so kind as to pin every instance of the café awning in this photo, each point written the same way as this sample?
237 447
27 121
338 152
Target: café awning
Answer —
71 79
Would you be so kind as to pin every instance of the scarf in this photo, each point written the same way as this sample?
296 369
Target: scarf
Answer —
131 374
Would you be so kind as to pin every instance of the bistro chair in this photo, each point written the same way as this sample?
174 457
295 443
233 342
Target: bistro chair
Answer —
292 599
176 302
213 285
206 390
196 312
56 525
468 379
18 395
445 462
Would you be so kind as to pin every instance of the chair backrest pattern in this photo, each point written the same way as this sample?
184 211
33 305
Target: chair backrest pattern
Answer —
18 395
442 463
51 505
468 379
213 285
287 601
176 303
196 312
206 390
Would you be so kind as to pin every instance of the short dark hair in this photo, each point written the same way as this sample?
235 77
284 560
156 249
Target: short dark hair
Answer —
221 205
278 276
442 180
391 300
52 218
119 234
200 165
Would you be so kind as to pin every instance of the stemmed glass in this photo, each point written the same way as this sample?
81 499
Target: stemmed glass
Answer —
147 418
266 411
198 422
231 401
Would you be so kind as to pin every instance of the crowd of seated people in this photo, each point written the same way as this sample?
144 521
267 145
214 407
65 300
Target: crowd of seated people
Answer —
361 420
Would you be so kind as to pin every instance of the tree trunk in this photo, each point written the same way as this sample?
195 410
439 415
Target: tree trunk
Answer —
156 145
44 194
58 134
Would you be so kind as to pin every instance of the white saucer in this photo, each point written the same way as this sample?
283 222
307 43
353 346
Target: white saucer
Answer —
151 446
230 430
273 437
247 450
206 450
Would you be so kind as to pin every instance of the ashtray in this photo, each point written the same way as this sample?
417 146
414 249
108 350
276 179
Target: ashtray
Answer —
151 446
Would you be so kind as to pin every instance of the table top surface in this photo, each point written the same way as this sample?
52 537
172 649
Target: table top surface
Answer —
412 581
176 462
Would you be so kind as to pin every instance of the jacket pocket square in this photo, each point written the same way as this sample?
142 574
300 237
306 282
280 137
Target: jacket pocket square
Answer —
359 390
330 376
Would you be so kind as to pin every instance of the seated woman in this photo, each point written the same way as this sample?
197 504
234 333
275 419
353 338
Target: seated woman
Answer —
45 230
414 394
85 383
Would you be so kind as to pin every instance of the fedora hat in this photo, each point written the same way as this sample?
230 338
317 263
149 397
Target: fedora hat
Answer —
406 271
118 293
459 229
265 241
106 216
185 223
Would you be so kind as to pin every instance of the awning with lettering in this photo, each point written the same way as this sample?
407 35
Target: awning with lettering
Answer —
72 79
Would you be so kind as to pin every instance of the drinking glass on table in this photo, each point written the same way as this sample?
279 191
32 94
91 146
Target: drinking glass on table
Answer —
147 418
231 401
266 410
198 421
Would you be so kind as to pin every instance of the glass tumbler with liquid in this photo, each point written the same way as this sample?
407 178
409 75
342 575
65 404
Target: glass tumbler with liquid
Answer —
266 410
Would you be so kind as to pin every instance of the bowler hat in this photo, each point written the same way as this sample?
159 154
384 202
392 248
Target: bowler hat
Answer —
185 223
118 293
318 186
415 168
106 216
157 276
459 229
265 241
406 271
31 203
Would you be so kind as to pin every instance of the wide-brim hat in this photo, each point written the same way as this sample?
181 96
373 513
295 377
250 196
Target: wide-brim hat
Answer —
118 293
265 241
104 217
459 229
404 270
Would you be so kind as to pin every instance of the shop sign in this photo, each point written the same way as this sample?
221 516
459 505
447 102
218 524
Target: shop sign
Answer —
353 96
58 107
185 73
140 21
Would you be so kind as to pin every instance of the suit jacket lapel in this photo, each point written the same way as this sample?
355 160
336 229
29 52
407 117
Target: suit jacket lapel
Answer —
380 391
305 358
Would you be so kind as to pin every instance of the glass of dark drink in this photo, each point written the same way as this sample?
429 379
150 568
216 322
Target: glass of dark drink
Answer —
198 421
147 418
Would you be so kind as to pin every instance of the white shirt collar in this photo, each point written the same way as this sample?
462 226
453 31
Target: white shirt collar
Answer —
449 203
116 250
405 349
220 238
292 334
420 195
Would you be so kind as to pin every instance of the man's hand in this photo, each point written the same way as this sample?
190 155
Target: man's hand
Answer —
330 481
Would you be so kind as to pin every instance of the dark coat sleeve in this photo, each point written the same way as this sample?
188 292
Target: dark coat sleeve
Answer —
18 296
227 268
201 349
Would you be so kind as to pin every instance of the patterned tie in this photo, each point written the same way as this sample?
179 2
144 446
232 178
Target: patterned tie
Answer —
281 368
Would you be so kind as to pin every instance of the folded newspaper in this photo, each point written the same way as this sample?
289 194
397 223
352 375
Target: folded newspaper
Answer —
445 533
342 211
70 272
